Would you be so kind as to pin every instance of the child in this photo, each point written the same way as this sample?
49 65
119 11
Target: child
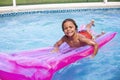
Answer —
74 38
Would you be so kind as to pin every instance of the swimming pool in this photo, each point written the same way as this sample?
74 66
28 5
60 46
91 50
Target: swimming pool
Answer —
37 29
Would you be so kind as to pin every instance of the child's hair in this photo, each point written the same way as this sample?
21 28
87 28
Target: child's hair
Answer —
71 21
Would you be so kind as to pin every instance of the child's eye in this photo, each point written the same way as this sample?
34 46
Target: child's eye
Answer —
65 28
70 27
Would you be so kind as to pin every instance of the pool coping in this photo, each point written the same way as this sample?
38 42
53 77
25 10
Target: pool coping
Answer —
22 8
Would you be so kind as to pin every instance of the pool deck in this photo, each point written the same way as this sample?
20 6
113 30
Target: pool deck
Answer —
21 8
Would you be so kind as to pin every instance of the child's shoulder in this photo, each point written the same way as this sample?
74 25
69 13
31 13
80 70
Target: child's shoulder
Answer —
64 38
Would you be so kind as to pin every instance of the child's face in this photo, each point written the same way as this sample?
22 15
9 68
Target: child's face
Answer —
69 28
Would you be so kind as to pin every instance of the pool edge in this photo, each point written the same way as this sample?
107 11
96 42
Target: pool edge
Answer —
22 8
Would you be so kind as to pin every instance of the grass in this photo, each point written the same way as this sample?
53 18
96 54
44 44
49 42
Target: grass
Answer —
5 2
52 1
27 2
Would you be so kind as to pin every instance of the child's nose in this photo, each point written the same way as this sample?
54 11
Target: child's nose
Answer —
68 28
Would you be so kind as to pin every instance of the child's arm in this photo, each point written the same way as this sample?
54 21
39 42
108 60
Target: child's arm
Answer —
95 45
57 45
91 42
95 49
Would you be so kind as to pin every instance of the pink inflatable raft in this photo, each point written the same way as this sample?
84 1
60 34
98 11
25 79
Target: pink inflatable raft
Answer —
40 64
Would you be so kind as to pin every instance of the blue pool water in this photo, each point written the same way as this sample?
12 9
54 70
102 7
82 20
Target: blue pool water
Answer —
37 29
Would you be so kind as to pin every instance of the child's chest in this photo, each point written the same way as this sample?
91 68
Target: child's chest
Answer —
74 43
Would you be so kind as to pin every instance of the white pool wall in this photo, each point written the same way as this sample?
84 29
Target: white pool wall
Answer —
19 8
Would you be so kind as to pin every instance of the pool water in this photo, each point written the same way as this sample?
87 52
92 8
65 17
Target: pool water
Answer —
37 29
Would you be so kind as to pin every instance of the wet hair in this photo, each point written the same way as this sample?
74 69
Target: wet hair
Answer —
71 21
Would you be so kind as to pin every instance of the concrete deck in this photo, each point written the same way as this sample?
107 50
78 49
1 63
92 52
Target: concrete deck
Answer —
20 8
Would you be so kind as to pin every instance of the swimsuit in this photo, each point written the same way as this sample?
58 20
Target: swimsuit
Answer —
86 34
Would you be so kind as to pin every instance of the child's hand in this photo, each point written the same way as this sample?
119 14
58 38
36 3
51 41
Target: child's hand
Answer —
92 56
55 50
